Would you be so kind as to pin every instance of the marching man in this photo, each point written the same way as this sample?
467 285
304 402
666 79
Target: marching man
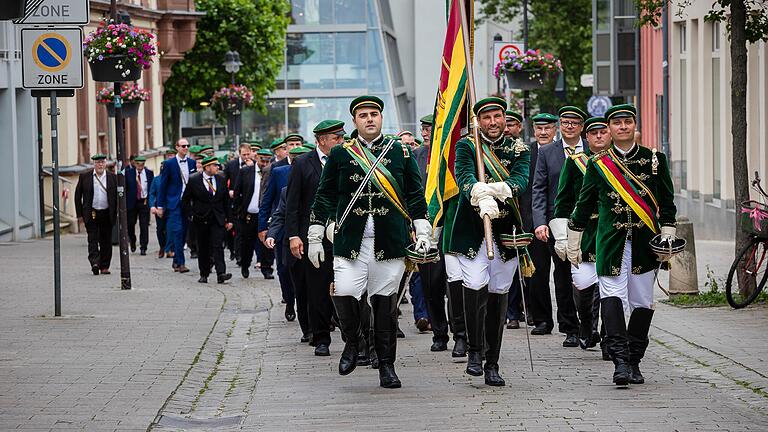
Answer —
368 221
631 189
487 281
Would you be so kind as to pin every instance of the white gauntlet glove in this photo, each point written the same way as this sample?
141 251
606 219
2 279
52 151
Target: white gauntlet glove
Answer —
488 206
315 252
500 190
668 233
423 233
559 228
330 231
479 191
573 251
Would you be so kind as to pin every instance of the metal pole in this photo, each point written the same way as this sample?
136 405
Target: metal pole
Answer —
122 214
41 174
473 119
54 112
526 123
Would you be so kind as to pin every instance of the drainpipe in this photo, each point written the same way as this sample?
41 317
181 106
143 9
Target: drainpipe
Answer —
665 80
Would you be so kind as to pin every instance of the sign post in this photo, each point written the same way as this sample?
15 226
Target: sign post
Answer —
54 113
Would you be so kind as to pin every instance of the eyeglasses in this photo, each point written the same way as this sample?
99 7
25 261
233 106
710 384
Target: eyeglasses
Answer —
184 146
570 124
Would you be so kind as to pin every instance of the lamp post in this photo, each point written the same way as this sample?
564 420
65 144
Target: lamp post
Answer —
234 120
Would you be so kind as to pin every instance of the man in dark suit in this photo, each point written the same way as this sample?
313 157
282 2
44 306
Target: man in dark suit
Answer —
232 173
310 283
544 190
281 150
176 172
96 207
247 195
138 181
206 199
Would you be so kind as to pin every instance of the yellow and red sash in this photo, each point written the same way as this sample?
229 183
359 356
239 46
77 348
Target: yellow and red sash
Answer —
580 159
381 177
618 177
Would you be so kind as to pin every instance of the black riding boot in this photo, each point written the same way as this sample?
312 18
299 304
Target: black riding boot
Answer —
494 328
637 334
616 339
348 309
583 299
603 345
456 315
364 347
475 304
385 328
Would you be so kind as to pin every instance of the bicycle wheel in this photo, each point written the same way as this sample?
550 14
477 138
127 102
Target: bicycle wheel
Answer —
749 270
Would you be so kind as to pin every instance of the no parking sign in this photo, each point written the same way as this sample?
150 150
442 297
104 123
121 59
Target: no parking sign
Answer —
52 58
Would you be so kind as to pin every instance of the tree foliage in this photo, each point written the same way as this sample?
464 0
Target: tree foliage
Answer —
254 28
561 28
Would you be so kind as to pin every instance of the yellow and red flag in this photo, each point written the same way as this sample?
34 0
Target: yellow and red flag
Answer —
450 114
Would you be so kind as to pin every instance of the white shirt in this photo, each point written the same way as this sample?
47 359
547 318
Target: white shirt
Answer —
207 185
100 201
253 206
184 172
622 152
142 177
323 157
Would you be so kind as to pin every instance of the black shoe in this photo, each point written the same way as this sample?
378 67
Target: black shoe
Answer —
193 255
203 279
348 360
606 354
621 374
362 358
404 300
143 252
133 248
513 324
290 313
400 334
475 364
459 348
269 276
387 376
245 272
439 346
492 377
304 338
571 341
322 350
232 256
594 340
636 377
422 324
541 329
95 270
223 277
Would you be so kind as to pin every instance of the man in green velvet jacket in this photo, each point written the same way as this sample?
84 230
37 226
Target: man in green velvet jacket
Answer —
631 188
584 276
371 231
487 280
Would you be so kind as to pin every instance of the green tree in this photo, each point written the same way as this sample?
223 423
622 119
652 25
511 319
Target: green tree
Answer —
746 22
561 28
254 28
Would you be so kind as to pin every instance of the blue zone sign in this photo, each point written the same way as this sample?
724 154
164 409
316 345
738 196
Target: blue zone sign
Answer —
52 58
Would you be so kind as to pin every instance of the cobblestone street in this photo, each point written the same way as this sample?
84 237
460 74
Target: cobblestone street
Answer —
177 355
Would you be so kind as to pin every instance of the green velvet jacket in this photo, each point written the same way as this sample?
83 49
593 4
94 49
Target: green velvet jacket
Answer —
617 222
568 191
467 229
340 179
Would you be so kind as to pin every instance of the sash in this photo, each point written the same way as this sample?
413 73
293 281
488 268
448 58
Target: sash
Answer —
580 159
98 180
617 176
381 177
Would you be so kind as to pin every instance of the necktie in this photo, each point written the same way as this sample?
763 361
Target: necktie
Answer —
211 189
569 151
324 159
138 185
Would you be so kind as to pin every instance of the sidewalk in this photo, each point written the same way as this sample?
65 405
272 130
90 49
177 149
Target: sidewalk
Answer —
173 354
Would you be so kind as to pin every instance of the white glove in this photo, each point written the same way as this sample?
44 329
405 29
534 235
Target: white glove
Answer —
668 233
488 206
435 239
315 252
330 230
423 234
479 191
573 251
559 228
500 190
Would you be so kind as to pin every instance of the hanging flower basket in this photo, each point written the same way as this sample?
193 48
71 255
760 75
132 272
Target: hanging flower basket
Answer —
528 71
118 52
232 99
131 95
13 9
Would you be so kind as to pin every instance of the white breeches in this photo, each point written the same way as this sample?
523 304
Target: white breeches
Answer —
480 271
452 268
634 290
352 278
584 276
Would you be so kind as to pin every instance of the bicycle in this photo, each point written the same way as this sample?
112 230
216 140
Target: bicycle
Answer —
751 263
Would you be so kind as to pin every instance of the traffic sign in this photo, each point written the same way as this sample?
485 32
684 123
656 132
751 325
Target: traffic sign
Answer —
52 12
598 105
503 49
51 58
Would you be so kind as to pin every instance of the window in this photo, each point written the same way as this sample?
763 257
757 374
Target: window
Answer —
716 125
310 60
313 12
683 124
715 36
394 58
683 38
350 60
377 75
603 15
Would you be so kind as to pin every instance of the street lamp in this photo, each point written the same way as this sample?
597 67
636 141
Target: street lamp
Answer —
234 121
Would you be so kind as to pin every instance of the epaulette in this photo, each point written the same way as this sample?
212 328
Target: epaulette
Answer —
349 143
520 147
599 154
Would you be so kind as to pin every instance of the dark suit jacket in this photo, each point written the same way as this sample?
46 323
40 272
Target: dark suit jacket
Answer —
267 173
278 179
525 198
422 160
232 172
201 205
169 194
244 190
84 195
130 185
277 230
545 181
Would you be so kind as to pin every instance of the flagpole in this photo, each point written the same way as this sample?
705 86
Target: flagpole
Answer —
473 120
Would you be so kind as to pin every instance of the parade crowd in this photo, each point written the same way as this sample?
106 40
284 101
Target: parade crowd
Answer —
345 224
